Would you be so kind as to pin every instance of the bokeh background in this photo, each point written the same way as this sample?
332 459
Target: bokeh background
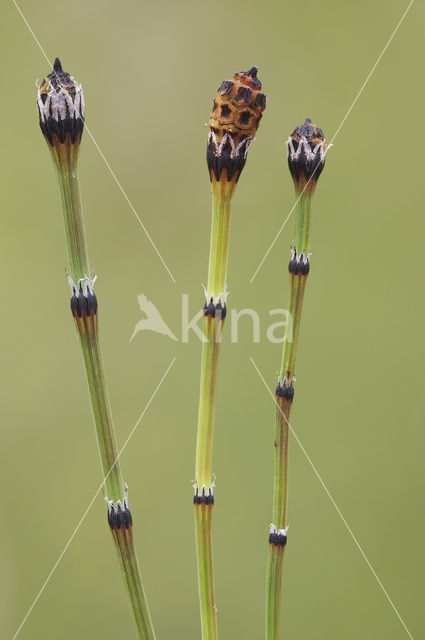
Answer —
150 71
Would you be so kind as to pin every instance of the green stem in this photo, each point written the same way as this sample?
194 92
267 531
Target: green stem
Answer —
131 572
213 327
302 223
297 283
219 246
87 326
280 506
207 401
290 345
102 417
280 493
66 170
274 590
203 521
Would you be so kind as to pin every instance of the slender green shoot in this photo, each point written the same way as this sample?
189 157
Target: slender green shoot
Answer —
306 158
61 110
234 120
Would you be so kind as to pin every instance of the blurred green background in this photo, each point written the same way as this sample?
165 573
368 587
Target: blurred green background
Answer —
150 71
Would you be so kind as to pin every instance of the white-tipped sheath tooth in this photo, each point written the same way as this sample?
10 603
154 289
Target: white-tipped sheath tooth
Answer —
86 284
227 138
304 145
122 502
281 532
204 489
221 298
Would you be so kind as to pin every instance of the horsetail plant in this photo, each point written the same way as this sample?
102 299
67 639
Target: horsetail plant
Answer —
61 110
236 113
306 158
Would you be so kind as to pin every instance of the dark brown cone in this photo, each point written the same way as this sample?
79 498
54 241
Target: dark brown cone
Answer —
234 120
306 155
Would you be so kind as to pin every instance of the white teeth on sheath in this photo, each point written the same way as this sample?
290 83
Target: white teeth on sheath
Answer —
236 151
304 145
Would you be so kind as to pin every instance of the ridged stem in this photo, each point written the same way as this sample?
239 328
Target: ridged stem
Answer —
302 224
274 590
213 327
65 161
123 538
203 528
207 400
219 245
64 157
114 485
297 283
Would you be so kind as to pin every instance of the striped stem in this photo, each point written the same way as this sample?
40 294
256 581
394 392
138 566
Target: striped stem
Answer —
234 120
61 110
214 316
284 397
306 158
84 308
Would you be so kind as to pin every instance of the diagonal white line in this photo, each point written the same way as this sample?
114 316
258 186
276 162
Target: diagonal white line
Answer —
130 204
333 502
103 157
359 93
372 70
287 218
46 582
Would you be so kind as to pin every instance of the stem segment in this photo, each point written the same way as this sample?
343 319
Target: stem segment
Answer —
65 160
60 103
219 244
298 272
214 315
213 328
306 159
84 309
123 537
203 526
234 119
